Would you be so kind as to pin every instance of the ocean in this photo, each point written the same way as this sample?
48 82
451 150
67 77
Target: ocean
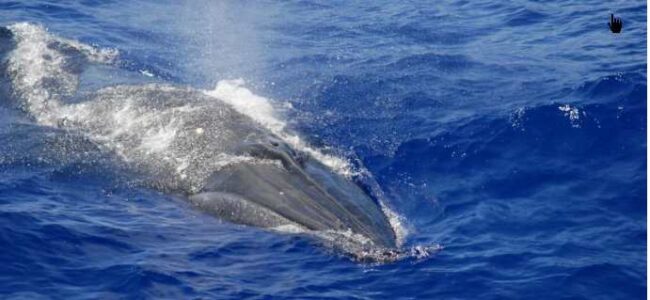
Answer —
508 138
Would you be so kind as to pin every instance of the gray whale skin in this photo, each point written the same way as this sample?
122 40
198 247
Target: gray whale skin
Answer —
298 191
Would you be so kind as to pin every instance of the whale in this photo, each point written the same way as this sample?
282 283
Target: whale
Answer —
298 192
220 159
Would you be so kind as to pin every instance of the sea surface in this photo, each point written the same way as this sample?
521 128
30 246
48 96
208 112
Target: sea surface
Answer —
509 136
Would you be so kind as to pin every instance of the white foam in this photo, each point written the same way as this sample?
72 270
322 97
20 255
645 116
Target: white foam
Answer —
39 76
573 113
260 109
397 223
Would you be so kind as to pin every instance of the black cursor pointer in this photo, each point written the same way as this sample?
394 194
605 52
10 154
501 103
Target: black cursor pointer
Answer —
615 24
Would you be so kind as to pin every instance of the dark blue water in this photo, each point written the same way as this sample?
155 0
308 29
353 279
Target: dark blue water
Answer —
511 133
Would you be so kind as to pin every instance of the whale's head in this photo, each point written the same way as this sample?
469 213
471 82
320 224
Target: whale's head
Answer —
295 187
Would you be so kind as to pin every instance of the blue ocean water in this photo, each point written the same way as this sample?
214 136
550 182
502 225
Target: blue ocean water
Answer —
511 133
